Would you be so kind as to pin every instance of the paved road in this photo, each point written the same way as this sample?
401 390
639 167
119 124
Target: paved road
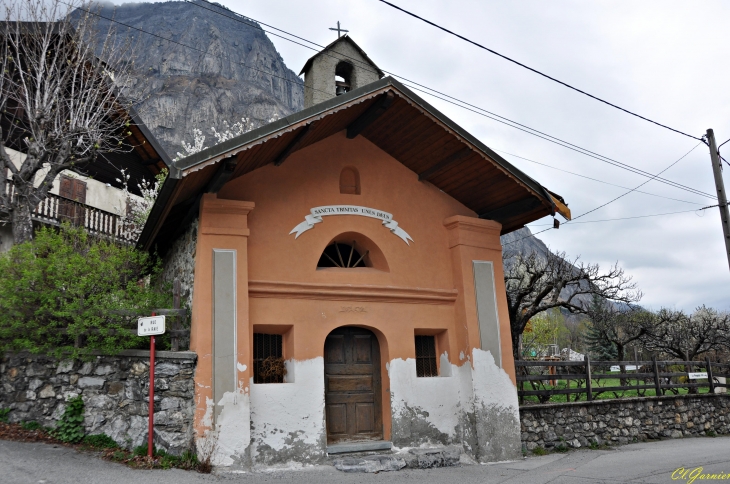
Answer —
31 463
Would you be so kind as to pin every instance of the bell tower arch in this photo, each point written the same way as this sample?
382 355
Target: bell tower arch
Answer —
337 69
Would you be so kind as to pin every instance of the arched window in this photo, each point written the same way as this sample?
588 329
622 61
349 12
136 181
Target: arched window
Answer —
343 78
350 181
343 255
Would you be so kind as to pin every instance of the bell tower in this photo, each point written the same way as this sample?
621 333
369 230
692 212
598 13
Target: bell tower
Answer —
338 68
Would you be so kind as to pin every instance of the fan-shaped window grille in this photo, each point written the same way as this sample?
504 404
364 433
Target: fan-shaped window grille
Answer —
343 255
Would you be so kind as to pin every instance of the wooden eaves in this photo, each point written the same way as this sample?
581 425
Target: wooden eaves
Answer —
392 117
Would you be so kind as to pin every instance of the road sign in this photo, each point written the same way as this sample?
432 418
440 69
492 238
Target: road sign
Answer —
151 326
699 375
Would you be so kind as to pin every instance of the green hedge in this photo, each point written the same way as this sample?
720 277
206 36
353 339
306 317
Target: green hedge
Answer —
66 289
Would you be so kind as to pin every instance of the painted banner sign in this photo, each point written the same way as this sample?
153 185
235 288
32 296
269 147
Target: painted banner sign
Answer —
317 213
699 375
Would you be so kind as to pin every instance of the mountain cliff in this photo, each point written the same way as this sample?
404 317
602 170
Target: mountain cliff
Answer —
238 74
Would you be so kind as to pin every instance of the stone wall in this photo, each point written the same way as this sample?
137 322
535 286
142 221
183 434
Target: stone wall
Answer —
620 421
179 262
115 390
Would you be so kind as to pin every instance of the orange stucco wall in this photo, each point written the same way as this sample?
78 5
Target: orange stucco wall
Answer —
427 288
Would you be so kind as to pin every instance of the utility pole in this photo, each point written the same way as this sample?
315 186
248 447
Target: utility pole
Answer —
720 186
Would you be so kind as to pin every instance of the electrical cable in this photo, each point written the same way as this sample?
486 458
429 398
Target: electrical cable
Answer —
593 179
628 167
535 70
628 218
637 187
247 21
612 200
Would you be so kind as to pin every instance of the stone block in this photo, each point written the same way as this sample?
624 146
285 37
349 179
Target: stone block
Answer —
115 387
65 366
103 370
427 458
47 392
35 384
101 402
138 368
91 382
372 464
170 403
86 368
36 369
166 369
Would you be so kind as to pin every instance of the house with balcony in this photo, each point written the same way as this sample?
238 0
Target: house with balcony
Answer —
93 196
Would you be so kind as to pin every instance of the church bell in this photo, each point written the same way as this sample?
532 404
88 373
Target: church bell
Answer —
341 87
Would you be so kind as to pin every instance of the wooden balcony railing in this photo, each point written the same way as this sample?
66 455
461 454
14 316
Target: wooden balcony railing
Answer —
55 209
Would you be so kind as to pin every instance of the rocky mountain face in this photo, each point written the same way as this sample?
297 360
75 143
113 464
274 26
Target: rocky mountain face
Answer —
522 242
238 75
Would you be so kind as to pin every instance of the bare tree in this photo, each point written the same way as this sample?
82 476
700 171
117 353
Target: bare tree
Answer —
687 336
537 283
59 99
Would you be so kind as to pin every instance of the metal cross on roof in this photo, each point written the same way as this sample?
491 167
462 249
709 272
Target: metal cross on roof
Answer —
338 29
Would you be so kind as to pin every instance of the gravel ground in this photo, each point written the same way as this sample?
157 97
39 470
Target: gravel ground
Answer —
654 462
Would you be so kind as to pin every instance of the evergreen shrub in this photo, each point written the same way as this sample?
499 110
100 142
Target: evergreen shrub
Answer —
70 294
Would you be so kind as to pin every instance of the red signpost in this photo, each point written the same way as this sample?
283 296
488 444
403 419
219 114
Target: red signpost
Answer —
151 326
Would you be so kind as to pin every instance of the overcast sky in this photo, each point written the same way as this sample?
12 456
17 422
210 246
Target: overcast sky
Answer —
666 60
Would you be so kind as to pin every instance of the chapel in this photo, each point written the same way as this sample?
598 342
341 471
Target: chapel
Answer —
345 275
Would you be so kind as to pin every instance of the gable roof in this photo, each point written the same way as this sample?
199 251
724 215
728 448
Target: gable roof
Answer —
389 115
344 38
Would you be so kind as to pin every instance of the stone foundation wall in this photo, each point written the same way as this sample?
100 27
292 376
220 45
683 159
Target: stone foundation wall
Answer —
620 421
115 390
179 262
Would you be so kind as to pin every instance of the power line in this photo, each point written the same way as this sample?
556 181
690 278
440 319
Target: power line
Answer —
629 218
590 154
638 216
535 70
463 104
593 179
637 187
622 165
612 200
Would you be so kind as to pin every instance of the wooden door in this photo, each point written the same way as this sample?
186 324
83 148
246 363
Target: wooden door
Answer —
352 385
72 189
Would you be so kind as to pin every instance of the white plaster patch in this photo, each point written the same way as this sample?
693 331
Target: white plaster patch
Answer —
444 365
285 415
233 428
444 399
207 420
241 367
492 385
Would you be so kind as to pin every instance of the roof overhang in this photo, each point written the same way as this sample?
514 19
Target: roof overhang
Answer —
390 116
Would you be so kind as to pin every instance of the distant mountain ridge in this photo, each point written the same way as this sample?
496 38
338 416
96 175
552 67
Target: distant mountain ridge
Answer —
242 74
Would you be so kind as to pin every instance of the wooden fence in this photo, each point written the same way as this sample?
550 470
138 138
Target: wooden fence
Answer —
55 209
539 381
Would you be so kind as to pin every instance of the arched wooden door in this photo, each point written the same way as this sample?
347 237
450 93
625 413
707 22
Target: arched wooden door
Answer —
352 385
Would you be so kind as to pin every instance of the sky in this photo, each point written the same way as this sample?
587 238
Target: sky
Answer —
666 60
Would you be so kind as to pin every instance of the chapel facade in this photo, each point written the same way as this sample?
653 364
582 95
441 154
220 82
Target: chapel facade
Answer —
347 283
